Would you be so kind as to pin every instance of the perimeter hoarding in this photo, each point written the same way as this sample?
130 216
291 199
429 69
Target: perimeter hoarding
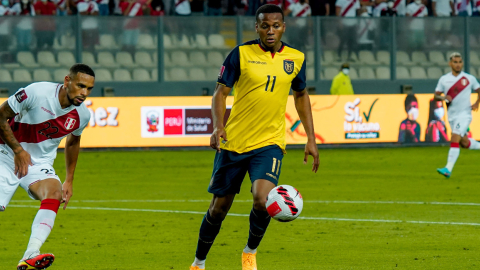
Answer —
186 121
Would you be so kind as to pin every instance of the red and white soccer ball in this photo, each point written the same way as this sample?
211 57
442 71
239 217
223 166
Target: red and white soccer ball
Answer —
284 203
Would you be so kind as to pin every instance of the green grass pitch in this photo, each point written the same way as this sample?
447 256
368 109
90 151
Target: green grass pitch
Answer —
365 209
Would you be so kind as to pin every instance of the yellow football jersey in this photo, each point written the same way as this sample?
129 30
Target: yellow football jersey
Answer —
262 82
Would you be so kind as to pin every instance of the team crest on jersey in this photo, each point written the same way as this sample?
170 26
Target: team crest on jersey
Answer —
288 66
70 123
21 96
464 82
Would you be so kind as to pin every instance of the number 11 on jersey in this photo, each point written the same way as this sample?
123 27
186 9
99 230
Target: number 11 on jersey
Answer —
268 82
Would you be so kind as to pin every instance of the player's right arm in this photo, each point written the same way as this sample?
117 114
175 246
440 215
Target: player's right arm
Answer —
219 106
22 158
440 90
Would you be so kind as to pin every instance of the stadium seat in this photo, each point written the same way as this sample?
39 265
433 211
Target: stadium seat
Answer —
166 60
383 73
197 74
89 59
27 59
403 59
329 57
473 71
367 58
42 75
178 74
167 42
310 74
437 58
106 41
402 73
473 41
344 58
155 74
310 58
140 74
105 59
122 75
183 42
47 59
198 58
201 41
434 73
353 74
474 59
212 74
66 59
59 75
447 70
420 58
5 76
215 59
418 73
66 43
144 59
330 72
22 75
103 75
366 73
125 59
383 57
146 41
180 59
216 41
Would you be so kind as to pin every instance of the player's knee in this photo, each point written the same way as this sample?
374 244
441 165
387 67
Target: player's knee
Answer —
54 194
260 205
218 213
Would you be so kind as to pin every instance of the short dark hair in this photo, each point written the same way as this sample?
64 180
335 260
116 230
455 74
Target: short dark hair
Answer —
409 99
82 68
268 8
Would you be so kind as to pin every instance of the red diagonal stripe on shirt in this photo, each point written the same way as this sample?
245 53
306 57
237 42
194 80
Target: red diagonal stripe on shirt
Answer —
305 9
457 87
348 8
420 10
396 3
51 129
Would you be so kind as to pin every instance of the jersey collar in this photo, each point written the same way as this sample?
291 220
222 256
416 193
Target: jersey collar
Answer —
273 54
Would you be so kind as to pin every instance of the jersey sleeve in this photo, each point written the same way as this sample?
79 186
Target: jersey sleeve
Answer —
22 100
300 82
475 84
440 87
357 4
230 71
79 131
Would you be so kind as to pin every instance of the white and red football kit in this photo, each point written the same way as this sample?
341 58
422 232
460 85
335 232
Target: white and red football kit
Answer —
39 126
348 9
466 7
400 6
460 108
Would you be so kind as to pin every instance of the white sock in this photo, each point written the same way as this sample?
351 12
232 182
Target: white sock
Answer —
41 227
249 250
474 145
199 263
453 154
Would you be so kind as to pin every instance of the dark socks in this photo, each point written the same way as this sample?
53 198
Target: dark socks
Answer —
208 231
259 221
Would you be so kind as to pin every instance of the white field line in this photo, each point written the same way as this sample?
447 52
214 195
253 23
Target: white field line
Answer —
250 201
246 215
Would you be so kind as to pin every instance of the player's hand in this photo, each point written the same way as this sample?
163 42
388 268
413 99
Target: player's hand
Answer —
448 99
215 138
312 150
475 107
67 190
22 160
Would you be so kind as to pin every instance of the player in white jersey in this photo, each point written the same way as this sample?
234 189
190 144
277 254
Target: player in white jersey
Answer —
456 88
32 124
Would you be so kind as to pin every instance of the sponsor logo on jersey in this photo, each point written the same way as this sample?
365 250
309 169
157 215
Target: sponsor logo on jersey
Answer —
48 111
257 62
222 70
21 96
288 66
70 123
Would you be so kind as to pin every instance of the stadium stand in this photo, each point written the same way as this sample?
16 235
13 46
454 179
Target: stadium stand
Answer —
26 59
103 75
383 73
105 59
22 75
5 76
125 60
144 59
140 74
66 58
59 75
122 75
402 73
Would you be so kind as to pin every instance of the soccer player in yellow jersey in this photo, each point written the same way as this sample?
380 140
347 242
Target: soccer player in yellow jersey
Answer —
262 71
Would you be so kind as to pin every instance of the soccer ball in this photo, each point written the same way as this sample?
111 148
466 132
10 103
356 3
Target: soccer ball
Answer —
284 203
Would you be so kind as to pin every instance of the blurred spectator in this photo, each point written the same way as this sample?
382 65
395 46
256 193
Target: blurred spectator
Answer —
443 9
45 27
214 8
182 7
157 8
385 9
476 8
366 31
103 7
409 131
61 7
436 130
4 25
131 30
417 10
320 7
400 6
341 84
368 4
300 11
348 27
253 5
90 36
71 6
463 8
25 25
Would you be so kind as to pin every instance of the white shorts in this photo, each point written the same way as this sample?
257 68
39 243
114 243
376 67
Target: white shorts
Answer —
460 124
9 182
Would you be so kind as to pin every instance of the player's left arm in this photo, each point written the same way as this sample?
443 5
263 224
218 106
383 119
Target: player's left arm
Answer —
72 148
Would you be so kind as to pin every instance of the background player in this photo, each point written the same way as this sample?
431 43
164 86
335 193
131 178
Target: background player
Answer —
32 124
457 87
263 71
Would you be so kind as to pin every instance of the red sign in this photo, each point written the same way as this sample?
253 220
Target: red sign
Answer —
173 121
